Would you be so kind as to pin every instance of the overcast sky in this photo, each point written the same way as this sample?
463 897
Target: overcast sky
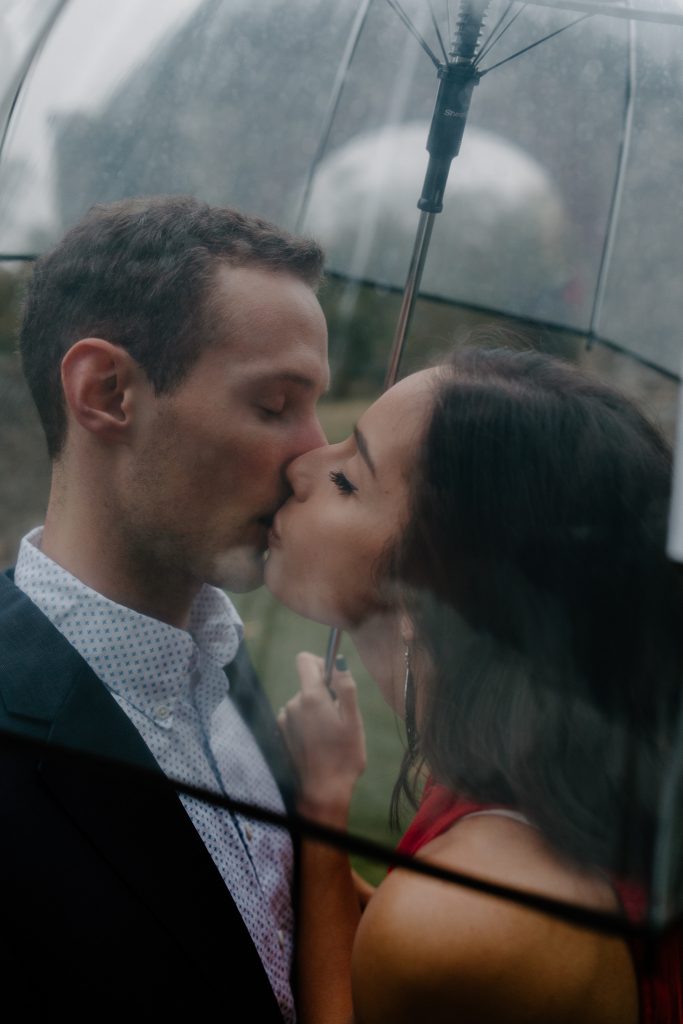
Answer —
85 36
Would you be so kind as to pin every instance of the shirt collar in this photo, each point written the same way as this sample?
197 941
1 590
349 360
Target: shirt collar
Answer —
146 661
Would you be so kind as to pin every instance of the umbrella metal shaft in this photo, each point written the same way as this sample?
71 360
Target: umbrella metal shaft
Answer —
410 293
331 654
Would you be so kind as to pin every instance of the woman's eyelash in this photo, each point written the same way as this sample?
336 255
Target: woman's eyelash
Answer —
342 482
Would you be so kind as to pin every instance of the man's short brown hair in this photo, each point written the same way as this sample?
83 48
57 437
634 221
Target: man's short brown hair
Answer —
137 272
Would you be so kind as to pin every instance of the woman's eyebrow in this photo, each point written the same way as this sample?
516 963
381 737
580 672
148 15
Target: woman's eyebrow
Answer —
362 446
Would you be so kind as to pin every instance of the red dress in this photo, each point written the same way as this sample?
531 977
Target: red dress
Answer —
660 977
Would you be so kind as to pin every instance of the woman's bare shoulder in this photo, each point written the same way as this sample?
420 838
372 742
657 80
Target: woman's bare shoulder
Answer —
446 952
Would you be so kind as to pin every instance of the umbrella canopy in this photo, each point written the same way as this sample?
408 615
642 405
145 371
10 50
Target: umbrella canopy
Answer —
598 108
563 208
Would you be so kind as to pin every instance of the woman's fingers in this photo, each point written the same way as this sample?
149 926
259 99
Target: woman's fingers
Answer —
313 713
325 738
346 693
311 671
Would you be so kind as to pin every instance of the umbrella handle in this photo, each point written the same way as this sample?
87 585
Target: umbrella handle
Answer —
447 129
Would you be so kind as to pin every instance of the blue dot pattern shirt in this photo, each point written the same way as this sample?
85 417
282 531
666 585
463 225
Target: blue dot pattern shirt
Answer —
172 686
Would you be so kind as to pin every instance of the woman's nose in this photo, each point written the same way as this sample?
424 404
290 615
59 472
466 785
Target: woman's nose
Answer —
306 470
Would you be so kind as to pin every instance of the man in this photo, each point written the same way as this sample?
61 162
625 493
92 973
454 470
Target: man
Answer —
175 353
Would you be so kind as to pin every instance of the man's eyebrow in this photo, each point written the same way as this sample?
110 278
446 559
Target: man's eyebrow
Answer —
300 379
362 446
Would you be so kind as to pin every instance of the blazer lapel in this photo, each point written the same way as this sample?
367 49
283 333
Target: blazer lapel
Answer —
134 819
139 825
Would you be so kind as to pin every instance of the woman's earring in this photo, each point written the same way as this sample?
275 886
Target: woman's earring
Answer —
409 703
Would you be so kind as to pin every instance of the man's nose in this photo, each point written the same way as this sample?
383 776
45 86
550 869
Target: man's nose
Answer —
314 436
295 472
300 471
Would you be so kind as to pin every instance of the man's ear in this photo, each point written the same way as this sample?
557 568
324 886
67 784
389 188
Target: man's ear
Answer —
98 380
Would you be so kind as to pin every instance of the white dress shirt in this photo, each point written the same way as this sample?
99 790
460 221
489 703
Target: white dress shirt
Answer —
171 684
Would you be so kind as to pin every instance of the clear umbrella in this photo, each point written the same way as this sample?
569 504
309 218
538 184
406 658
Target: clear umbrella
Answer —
562 209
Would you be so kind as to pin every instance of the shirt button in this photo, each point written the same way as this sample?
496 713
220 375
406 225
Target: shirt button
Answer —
163 711
249 832
281 938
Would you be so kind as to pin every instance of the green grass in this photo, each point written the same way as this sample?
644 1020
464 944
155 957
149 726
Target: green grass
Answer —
275 635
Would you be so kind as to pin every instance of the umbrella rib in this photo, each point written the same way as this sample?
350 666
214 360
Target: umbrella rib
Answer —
396 7
488 45
615 11
335 97
28 65
438 32
618 189
538 42
523 321
609 922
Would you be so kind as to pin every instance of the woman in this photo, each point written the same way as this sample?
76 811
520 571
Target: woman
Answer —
492 539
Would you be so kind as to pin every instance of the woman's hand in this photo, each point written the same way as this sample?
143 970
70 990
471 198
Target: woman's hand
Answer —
326 740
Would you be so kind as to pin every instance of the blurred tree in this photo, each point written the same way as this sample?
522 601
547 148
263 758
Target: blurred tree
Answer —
12 280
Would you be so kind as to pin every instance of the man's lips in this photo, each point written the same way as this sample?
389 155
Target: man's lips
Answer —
270 521
274 531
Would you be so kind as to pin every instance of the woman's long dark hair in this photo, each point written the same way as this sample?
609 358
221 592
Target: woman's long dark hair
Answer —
544 602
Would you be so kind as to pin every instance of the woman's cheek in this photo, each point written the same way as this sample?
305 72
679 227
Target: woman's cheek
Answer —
357 595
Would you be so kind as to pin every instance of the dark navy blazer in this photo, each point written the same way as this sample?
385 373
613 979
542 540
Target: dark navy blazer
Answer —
110 900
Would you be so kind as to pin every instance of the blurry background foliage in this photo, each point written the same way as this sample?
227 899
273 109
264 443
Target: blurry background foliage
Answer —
361 321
